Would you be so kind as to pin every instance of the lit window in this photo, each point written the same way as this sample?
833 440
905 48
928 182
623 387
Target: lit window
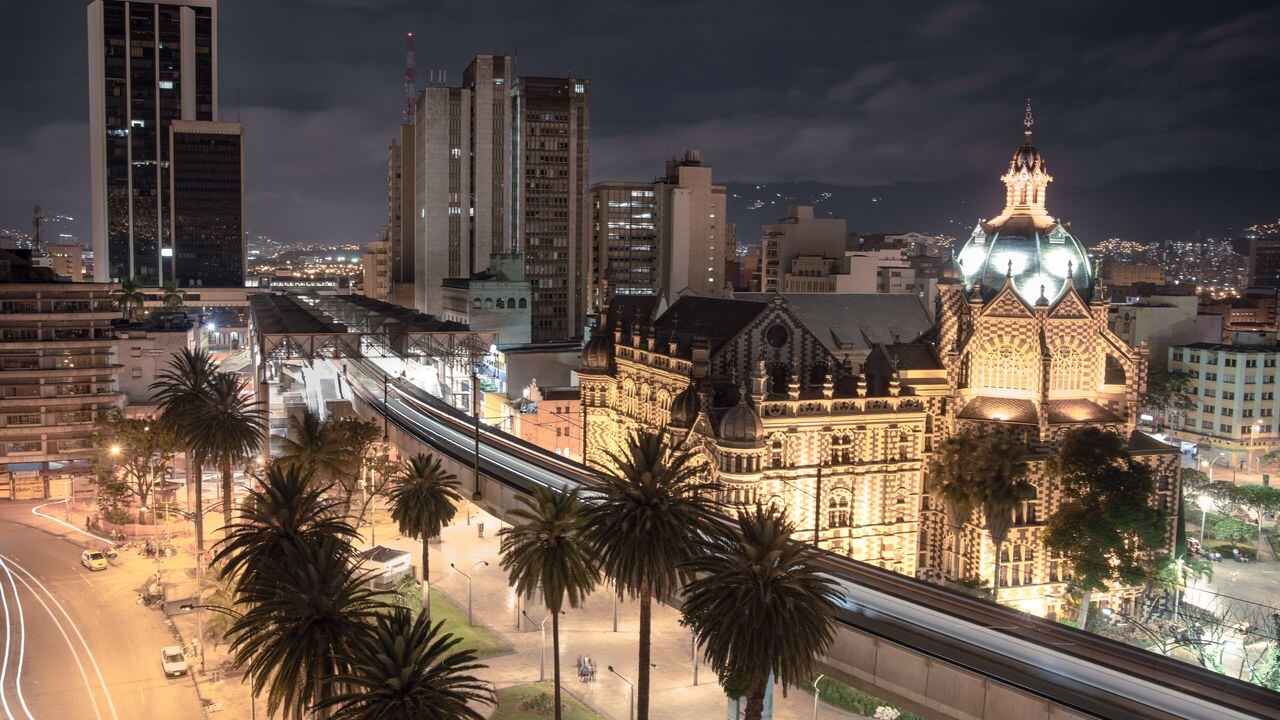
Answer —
579 88
166 84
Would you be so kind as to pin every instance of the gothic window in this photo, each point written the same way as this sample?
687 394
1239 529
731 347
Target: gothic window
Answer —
838 508
817 374
841 449
904 445
1027 511
1016 563
900 507
1067 369
775 452
1004 368
779 377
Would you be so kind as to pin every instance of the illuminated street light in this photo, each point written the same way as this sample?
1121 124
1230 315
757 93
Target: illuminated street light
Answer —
1205 502
115 450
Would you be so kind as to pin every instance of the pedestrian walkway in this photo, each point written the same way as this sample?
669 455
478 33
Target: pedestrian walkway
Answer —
587 631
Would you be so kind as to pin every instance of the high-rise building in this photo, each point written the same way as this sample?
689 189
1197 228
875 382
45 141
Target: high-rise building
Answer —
799 233
664 237
400 224
377 271
150 62
1264 262
500 166
206 194
461 151
552 122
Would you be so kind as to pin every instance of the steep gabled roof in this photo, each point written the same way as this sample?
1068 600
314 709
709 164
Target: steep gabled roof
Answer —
856 321
718 320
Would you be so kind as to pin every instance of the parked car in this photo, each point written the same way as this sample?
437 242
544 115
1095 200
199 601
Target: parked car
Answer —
93 559
173 661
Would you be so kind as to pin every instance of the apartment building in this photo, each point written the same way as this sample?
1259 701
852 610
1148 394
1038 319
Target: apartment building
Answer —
1235 391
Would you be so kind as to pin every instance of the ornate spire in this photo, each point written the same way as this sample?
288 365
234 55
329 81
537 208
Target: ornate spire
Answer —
1027 120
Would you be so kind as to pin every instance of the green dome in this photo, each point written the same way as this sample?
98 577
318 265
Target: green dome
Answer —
1036 258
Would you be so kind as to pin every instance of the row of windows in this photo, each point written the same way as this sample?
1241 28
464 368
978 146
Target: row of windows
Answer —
1227 361
508 304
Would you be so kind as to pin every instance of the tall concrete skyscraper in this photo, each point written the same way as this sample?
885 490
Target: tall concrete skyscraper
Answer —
500 166
400 217
551 207
151 62
206 194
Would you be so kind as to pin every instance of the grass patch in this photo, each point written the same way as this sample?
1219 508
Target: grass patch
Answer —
512 699
476 637
847 697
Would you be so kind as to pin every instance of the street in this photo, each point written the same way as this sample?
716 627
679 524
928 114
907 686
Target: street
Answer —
77 644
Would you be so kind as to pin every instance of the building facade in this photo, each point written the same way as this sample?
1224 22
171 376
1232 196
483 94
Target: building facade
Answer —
207 195
1235 397
499 299
150 62
626 257
784 413
400 223
376 264
799 233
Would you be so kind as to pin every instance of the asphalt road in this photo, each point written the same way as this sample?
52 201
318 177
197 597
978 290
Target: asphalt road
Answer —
77 644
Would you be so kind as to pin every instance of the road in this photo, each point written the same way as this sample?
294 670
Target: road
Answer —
77 644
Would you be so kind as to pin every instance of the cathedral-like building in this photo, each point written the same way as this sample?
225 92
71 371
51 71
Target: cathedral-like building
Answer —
1019 345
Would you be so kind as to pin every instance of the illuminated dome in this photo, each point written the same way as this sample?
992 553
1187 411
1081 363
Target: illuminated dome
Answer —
1024 242
685 408
741 426
598 353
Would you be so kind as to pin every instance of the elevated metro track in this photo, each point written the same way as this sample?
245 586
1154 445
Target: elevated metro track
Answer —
955 638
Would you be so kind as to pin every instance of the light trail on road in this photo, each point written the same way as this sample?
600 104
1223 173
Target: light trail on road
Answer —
5 562
22 642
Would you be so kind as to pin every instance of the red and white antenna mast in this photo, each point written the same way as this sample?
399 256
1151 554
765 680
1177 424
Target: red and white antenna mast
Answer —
408 80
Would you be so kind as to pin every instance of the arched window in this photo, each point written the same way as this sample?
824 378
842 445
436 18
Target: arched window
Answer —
779 378
476 304
838 508
488 303
775 451
817 374
511 303
501 304
524 303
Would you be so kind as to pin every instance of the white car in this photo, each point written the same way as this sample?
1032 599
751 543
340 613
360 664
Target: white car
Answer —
173 661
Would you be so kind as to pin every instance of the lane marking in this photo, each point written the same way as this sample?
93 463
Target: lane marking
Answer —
76 628
4 665
22 642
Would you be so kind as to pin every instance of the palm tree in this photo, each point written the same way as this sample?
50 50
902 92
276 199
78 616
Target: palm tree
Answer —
307 609
129 298
1000 487
287 507
180 391
404 667
543 549
235 426
173 298
757 605
319 445
422 498
655 512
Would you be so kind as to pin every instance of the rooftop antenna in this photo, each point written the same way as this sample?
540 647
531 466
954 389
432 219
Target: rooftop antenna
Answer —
407 118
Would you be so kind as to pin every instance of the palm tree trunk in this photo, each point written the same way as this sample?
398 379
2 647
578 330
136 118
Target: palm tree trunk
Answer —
191 466
646 643
426 578
1082 617
755 695
198 513
228 492
995 581
555 655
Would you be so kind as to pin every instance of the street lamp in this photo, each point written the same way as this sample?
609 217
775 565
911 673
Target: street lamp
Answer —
115 450
542 663
816 692
631 697
1205 502
467 575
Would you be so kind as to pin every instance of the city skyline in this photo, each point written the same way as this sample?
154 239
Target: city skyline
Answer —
856 101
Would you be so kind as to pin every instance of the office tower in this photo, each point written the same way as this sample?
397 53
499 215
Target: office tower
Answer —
625 255
150 62
500 166
552 122
660 238
1264 262
462 146
207 196
400 223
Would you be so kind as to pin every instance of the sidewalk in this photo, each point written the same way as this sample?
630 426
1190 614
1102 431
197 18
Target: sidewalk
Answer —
584 631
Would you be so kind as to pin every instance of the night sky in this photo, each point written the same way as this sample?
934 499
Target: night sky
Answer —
844 92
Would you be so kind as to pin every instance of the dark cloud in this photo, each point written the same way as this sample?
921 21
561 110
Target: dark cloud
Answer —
834 91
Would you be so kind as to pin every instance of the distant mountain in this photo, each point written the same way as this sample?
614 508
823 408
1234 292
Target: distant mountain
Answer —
1153 207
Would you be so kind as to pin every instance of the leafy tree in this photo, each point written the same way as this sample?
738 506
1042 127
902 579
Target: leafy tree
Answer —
319 445
423 497
1193 481
655 511
543 548
234 425
134 452
1169 391
181 390
129 298
173 298
1261 499
1107 527
1232 530
308 609
287 507
358 438
758 605
403 667
1271 457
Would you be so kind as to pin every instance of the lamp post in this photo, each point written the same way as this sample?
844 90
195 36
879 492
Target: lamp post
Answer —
631 697
467 575
1253 443
816 692
542 662
1205 502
